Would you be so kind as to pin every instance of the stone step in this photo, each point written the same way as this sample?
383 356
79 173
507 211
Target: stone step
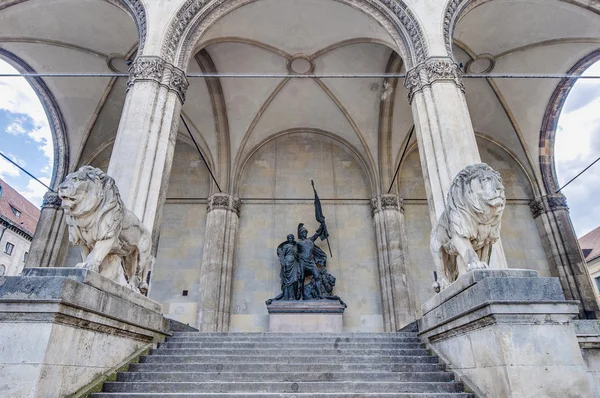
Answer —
269 344
285 376
291 339
282 367
283 395
309 359
266 335
285 387
284 351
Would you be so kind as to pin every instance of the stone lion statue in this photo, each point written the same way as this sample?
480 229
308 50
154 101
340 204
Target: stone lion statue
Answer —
113 241
462 238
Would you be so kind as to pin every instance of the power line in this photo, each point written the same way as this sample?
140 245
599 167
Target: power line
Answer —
313 76
401 158
577 176
200 152
26 172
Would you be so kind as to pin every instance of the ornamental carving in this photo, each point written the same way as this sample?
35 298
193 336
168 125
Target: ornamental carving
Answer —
52 200
433 70
548 203
450 18
197 15
386 202
224 201
152 68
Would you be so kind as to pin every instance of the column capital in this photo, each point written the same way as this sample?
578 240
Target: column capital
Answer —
548 203
386 202
430 71
51 200
156 69
224 201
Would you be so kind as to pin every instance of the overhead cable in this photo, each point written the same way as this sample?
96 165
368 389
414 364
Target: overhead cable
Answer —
25 171
577 176
200 152
312 76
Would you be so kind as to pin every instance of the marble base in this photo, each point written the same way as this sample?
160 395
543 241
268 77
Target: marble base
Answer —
63 327
507 333
318 316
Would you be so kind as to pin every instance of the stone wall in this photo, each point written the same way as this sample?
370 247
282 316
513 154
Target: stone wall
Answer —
179 256
274 187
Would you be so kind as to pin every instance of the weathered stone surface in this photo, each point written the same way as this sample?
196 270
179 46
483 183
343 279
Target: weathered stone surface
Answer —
61 331
498 329
470 279
319 316
93 279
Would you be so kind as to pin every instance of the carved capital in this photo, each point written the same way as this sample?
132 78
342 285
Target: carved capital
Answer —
156 69
548 203
386 202
430 71
51 200
224 201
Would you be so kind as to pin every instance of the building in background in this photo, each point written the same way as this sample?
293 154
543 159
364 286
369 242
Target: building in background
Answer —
590 246
18 220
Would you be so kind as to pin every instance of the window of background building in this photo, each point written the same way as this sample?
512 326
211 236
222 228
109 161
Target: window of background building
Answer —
15 211
0 191
597 280
2 269
9 248
25 256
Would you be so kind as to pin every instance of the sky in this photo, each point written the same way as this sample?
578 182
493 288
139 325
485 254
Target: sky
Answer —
577 145
26 138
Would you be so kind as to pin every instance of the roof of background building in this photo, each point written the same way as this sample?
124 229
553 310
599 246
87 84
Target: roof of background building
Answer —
11 199
590 244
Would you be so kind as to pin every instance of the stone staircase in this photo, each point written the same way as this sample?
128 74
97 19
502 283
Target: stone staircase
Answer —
192 364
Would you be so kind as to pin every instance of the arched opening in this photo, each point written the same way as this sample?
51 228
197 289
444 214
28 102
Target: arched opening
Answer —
577 146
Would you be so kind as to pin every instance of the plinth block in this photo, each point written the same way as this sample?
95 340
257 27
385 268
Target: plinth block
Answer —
63 327
507 333
318 316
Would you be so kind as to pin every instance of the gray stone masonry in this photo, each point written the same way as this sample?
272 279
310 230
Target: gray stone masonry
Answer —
508 333
286 365
63 327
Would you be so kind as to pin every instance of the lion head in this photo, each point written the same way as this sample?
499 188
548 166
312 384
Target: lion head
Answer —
91 197
327 280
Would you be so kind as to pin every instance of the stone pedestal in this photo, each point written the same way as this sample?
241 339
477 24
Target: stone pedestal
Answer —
507 333
319 316
61 328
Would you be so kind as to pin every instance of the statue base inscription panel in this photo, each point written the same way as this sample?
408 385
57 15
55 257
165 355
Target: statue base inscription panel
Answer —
318 316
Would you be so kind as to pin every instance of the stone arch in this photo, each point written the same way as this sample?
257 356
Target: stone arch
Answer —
551 118
53 113
455 9
367 166
196 16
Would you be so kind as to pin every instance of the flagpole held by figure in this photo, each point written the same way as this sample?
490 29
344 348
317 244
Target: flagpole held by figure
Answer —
321 218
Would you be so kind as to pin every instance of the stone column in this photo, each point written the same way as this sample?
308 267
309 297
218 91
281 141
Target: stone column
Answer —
217 263
48 248
398 309
444 131
564 255
143 151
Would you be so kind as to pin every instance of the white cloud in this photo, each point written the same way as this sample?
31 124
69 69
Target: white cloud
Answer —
577 145
18 97
7 169
34 192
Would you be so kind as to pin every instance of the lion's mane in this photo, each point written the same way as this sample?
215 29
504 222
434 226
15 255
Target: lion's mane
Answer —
107 216
465 214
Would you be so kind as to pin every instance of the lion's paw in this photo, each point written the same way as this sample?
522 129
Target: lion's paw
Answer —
476 265
82 265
